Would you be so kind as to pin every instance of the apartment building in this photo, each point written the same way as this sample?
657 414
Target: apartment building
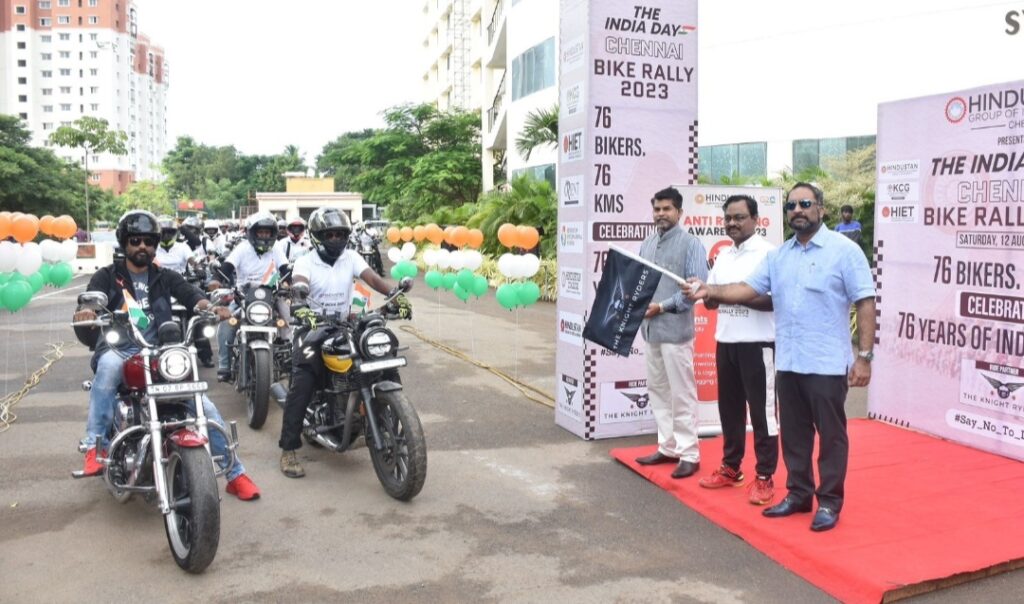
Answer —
64 59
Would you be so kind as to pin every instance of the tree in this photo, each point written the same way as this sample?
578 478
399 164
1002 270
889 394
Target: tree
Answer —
147 195
91 135
525 201
331 159
539 130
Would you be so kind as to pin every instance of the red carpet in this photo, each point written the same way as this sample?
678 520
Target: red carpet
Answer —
918 510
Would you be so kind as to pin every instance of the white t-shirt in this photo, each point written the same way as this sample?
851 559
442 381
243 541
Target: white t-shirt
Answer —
293 250
330 287
738 323
174 259
252 268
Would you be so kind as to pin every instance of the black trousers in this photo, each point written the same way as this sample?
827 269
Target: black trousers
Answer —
307 371
810 403
746 378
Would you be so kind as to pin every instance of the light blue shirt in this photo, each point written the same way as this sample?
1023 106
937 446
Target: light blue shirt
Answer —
812 288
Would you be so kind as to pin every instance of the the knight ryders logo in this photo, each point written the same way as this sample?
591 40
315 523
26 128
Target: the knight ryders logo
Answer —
640 400
1003 389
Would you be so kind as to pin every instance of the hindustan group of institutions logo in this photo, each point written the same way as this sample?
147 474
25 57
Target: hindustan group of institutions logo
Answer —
956 110
699 199
570 328
570 237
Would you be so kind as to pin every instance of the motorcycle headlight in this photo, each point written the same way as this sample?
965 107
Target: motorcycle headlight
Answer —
112 337
175 364
378 343
258 313
209 331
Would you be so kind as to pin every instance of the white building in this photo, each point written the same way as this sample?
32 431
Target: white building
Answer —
64 59
451 78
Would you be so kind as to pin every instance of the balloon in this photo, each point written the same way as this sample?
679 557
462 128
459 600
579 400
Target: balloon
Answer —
394 234
475 238
479 285
5 225
50 250
44 270
460 293
25 228
448 234
460 236
465 279
430 257
443 259
472 259
434 233
434 279
530 264
456 261
61 274
528 237
64 227
507 296
395 255
529 293
508 236
419 233
36 281
396 273
16 295
5 277
68 250
506 265
30 259
46 224
406 233
8 256
407 268
449 280
408 251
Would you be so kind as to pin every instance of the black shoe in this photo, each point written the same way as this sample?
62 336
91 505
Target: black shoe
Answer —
655 458
206 363
824 519
223 376
685 468
787 507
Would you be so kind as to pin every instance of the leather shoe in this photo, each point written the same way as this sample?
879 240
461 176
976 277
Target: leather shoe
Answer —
685 468
824 519
787 507
655 458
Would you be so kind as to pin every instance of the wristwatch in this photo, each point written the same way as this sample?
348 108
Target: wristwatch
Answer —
867 355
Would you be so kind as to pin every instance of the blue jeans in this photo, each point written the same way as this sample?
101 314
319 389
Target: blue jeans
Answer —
225 335
103 399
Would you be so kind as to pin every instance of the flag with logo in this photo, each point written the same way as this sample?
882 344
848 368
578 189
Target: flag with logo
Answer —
136 314
360 297
623 295
271 277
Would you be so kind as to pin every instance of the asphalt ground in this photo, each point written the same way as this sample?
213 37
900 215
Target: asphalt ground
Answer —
514 508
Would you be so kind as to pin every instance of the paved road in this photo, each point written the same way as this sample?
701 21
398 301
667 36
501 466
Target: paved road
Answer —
514 508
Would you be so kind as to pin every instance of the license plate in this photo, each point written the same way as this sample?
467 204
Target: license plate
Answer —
381 365
182 388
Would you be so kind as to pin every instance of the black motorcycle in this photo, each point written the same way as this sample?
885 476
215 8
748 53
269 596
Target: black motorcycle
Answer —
369 248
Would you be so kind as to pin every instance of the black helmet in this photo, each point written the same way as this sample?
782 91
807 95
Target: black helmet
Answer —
134 223
168 231
329 219
262 220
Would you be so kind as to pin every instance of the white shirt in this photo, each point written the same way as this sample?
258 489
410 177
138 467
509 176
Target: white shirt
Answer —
175 259
330 287
252 268
293 250
738 323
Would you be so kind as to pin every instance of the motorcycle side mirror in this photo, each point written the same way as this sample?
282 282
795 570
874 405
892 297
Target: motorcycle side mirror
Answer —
221 295
405 284
92 298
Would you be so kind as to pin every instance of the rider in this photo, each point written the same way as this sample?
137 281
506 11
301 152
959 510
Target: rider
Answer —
296 243
211 228
253 261
171 254
281 232
137 278
324 281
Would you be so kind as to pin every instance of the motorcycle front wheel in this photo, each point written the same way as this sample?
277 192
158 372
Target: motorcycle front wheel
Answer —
401 461
193 524
257 395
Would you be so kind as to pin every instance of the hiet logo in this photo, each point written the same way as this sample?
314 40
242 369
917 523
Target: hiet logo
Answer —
956 110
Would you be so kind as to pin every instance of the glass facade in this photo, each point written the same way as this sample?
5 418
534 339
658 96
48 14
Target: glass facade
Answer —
743 161
534 69
815 152
543 172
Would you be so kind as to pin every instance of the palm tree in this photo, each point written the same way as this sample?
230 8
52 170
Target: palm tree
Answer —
541 128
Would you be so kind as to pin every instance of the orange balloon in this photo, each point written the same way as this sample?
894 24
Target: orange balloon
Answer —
508 236
418 233
434 233
394 234
475 238
528 237
406 233
448 234
5 225
46 224
64 227
460 235
25 228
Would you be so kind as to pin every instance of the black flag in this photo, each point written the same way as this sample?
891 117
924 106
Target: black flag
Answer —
622 298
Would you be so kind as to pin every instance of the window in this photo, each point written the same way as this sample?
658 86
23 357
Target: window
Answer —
22 98
47 73
21 45
94 107
46 56
63 2
47 108
19 10
65 72
47 125
94 177
94 89
64 37
23 116
23 80
64 54
47 91
94 20
93 2
63 20
65 89
21 26
46 39
44 4
22 63
94 37
94 72
65 106
534 69
94 54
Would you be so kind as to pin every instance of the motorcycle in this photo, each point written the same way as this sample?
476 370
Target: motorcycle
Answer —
159 443
369 248
361 395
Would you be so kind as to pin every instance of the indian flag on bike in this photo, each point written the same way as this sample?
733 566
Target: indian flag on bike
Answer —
136 314
360 297
271 277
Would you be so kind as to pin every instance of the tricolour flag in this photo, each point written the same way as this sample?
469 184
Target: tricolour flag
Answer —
360 296
623 295
136 314
271 277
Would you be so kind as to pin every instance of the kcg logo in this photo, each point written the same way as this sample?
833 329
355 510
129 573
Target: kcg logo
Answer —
956 110
572 146
570 194
904 169
900 191
570 237
572 101
570 328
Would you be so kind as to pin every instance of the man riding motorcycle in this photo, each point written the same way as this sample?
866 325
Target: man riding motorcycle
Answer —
171 254
321 283
254 260
136 282
295 244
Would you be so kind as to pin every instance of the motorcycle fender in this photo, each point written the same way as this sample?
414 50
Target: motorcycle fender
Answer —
189 439
385 386
258 345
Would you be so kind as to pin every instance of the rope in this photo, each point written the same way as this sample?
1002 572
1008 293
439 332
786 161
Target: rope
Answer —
534 394
7 403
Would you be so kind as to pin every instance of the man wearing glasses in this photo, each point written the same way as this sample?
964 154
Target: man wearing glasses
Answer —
745 358
813 277
139 279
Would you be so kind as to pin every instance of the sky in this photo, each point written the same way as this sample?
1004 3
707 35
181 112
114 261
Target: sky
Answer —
261 75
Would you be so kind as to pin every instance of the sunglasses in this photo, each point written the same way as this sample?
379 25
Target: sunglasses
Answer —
296 229
146 240
331 235
804 203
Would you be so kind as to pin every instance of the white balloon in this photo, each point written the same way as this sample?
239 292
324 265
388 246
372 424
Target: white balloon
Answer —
456 261
8 256
68 250
394 254
408 250
443 259
30 259
531 264
507 265
430 257
50 250
474 259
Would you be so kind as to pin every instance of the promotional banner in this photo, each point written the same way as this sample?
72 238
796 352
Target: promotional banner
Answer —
949 232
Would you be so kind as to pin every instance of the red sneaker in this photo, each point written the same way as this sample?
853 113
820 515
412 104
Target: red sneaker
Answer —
762 490
243 488
92 467
724 476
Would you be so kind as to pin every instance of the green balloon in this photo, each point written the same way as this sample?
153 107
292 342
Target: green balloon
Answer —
44 270
396 272
460 293
36 281
449 280
3 305
507 296
465 279
5 277
16 277
479 285
61 274
16 295
529 293
408 268
434 279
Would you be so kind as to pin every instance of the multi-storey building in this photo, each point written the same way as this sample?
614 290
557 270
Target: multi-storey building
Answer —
64 59
451 79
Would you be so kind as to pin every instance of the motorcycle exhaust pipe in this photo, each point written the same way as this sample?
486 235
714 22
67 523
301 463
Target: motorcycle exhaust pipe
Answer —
279 393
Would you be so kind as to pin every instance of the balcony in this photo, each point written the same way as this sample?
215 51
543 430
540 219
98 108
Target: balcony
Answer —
496 34
496 119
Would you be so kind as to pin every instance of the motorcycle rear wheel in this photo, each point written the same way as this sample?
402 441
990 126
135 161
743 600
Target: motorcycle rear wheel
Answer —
257 396
193 524
401 464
